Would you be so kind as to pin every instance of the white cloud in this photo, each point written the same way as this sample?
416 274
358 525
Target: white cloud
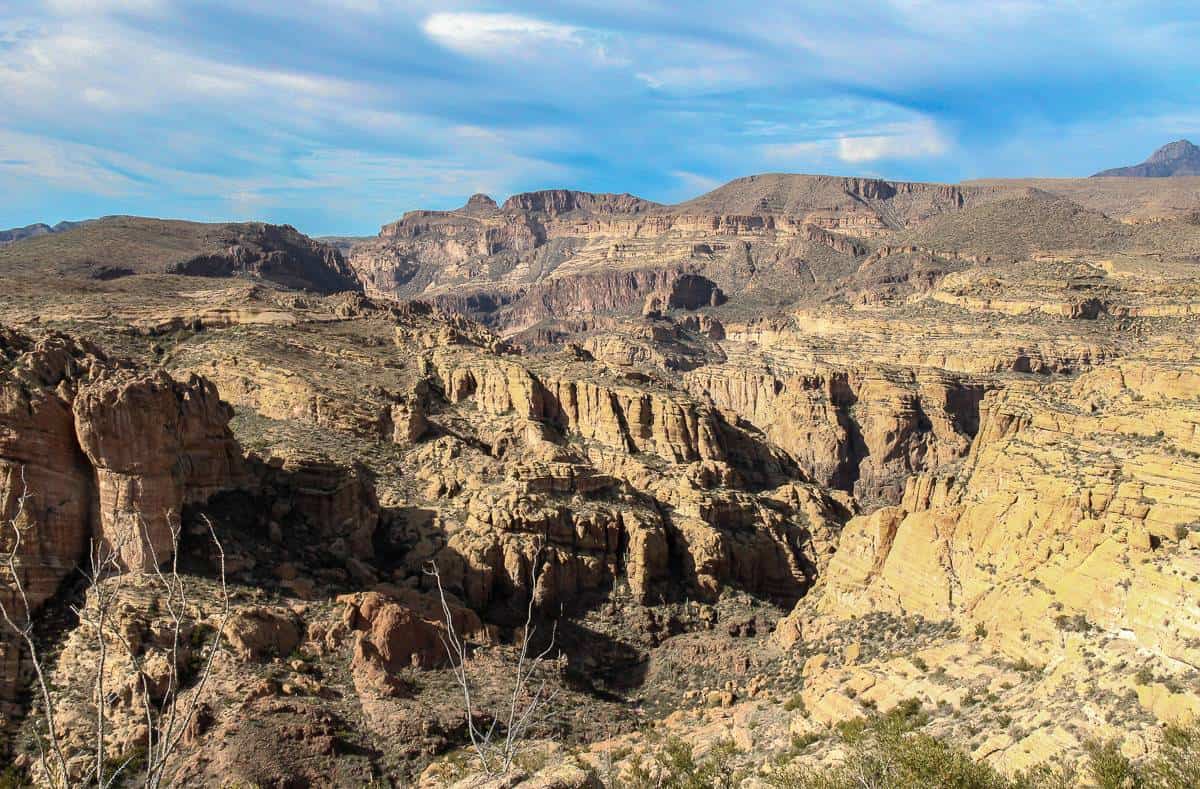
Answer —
917 140
69 165
680 65
487 34
695 183
787 151
951 16
78 7
687 78
115 69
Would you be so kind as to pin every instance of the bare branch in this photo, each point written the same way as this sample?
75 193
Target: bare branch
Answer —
25 633
107 580
522 707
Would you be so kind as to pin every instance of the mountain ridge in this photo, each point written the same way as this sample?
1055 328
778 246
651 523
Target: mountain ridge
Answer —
1173 159
15 234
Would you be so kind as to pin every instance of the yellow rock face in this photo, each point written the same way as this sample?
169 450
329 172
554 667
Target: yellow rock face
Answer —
1067 537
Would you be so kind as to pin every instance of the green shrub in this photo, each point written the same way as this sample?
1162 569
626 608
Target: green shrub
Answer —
676 767
1177 764
130 763
887 751
796 702
1077 623
12 778
1025 666
1110 768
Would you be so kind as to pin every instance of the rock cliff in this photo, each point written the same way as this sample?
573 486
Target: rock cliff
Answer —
801 450
95 450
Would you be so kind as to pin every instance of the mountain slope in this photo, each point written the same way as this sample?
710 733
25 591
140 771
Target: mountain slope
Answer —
764 241
1019 226
1177 158
120 246
800 451
15 234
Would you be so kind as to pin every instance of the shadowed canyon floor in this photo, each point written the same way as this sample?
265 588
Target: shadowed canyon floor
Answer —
799 451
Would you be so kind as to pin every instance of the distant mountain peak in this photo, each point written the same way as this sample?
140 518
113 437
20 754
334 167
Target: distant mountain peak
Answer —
16 234
479 202
1176 158
1180 150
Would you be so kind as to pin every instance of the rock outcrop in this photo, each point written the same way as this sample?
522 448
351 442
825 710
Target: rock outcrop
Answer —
45 478
666 507
1176 158
800 450
860 430
118 247
277 253
1075 516
91 449
155 445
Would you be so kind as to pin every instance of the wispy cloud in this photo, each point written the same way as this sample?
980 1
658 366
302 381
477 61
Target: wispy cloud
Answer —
77 7
694 183
497 34
387 105
918 140
67 165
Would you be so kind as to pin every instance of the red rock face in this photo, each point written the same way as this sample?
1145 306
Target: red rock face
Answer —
154 444
393 634
91 449
41 461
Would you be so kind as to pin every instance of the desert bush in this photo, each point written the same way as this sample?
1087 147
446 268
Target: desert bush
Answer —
887 752
1111 769
795 702
675 766
1177 764
497 746
168 714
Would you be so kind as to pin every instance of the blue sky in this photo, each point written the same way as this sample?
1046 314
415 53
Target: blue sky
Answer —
339 116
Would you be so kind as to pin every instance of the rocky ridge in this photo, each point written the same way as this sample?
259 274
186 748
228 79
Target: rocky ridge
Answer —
799 451
1173 159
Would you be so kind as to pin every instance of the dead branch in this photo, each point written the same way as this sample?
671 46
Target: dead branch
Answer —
496 756
107 579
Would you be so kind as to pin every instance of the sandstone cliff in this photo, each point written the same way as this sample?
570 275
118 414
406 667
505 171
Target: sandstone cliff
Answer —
94 450
1068 543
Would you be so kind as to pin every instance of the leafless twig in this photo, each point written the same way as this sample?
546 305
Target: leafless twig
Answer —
24 631
496 755
107 578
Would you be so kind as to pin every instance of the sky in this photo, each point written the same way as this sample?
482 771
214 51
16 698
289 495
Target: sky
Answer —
337 117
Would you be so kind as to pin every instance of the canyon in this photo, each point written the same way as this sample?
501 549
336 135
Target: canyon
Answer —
799 451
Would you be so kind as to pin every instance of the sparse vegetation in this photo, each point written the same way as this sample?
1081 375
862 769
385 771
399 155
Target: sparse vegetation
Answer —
794 703
498 745
379 436
888 751
121 662
1109 768
676 766
1076 623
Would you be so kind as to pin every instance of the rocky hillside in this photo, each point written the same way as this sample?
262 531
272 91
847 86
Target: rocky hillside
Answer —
120 246
761 244
1176 158
33 231
805 478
